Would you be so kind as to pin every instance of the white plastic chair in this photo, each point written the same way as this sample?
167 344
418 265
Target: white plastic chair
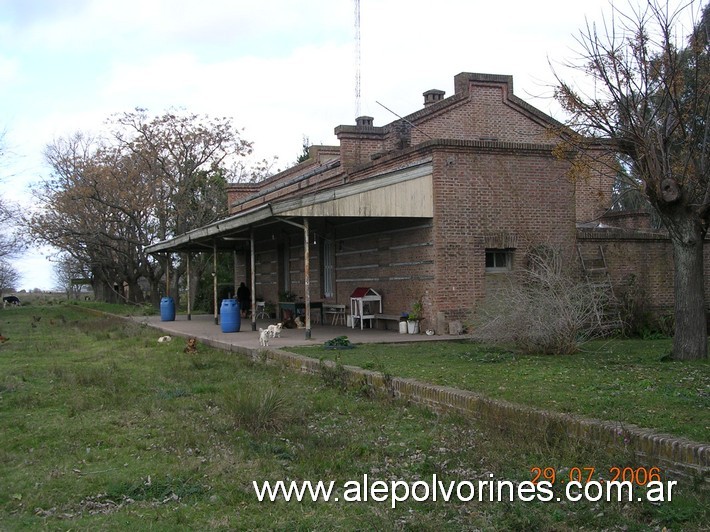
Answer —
261 313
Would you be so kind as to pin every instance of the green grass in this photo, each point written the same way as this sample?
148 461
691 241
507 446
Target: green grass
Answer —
103 428
616 380
118 309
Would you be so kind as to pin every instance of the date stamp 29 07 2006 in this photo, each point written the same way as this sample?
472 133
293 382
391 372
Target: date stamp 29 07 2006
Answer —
638 475
614 483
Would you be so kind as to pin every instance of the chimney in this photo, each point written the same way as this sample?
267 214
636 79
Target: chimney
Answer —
364 121
359 142
433 96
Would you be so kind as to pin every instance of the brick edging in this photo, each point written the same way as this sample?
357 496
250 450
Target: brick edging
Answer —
677 457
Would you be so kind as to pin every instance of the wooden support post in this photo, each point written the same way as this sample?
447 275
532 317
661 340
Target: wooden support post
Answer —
235 274
307 275
167 275
252 280
189 289
214 281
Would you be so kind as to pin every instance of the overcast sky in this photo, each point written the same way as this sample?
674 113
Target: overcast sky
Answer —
280 69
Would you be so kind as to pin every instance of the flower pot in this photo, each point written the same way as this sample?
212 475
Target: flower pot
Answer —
402 327
413 327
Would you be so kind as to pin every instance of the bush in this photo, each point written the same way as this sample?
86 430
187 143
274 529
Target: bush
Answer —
259 410
639 320
543 310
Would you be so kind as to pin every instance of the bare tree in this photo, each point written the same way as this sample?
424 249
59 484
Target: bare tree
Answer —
9 241
70 275
243 172
9 276
649 105
544 309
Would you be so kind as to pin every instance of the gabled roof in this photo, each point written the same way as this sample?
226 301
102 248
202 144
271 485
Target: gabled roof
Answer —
379 171
363 292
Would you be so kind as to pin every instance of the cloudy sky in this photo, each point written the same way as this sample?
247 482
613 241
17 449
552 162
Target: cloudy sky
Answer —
280 69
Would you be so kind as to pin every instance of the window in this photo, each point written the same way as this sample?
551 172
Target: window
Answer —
328 268
499 260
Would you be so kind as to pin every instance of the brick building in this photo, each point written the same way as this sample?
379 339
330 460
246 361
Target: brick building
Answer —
435 207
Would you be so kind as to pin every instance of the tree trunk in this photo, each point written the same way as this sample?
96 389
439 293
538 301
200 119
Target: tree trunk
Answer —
195 275
155 292
690 339
135 292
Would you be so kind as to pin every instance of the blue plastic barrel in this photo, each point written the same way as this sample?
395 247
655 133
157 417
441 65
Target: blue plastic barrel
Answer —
167 309
230 316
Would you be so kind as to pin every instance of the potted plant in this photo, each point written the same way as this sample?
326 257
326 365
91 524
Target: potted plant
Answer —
413 318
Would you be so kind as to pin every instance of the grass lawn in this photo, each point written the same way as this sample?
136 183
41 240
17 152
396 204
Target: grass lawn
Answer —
616 380
103 428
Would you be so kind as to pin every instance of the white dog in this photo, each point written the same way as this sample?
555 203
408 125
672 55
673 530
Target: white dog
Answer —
275 330
264 337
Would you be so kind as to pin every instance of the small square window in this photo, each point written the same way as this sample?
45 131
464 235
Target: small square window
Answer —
499 260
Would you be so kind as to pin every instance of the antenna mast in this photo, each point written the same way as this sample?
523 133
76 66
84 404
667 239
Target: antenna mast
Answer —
357 58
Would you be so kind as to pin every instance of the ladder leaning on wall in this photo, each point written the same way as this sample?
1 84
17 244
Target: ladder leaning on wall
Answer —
597 274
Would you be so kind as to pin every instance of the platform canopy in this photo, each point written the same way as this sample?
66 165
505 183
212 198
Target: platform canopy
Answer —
405 192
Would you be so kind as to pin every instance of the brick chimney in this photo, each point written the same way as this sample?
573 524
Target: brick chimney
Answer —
359 142
433 96
364 121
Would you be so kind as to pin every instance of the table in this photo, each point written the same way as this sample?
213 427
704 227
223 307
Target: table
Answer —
299 308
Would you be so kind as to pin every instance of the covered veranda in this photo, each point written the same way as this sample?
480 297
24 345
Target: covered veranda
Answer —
403 194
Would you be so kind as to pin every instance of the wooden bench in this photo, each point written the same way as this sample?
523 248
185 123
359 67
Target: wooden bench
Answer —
386 318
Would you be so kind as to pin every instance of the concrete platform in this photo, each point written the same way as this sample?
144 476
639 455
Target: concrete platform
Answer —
203 328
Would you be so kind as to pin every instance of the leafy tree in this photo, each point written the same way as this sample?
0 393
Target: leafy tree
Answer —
96 209
188 159
185 155
149 180
650 105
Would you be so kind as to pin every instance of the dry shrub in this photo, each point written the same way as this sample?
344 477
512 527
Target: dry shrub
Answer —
260 410
544 309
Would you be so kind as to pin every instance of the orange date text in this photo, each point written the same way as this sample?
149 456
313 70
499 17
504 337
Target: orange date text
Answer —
636 475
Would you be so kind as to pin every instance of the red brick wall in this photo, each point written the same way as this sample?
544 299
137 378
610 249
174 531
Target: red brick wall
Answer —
494 174
478 193
647 256
594 190
358 144
239 191
393 256
484 115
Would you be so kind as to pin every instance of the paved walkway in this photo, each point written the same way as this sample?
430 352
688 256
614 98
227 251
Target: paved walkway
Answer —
203 327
